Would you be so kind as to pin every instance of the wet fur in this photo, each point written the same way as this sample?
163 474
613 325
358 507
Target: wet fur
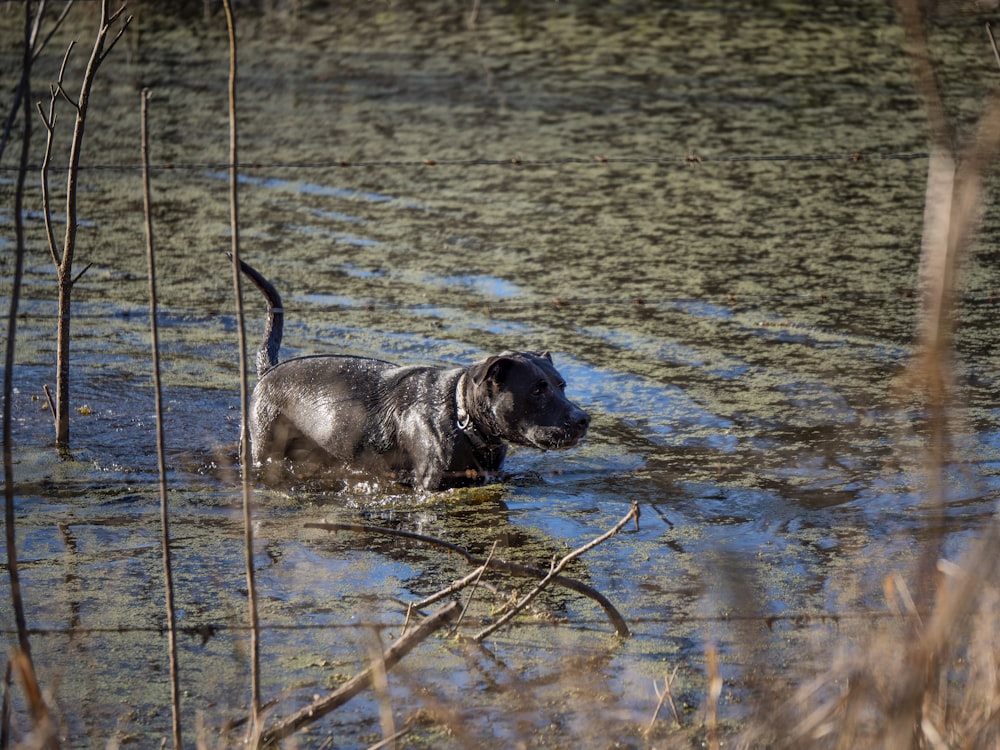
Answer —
431 427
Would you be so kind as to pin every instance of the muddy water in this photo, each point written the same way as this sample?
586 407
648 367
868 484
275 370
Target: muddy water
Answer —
711 217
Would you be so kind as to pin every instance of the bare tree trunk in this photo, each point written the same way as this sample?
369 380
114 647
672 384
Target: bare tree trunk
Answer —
64 259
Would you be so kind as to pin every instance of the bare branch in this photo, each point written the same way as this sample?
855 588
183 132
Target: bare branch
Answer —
54 29
993 41
62 92
113 42
82 272
62 68
49 122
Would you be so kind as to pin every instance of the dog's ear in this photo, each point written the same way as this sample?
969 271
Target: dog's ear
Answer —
544 355
494 369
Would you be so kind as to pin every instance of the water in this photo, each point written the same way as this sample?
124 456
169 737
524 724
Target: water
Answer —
581 178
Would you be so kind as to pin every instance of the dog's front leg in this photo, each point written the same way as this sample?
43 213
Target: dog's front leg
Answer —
422 451
429 468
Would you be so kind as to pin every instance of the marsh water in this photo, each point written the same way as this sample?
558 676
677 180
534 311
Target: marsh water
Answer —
710 215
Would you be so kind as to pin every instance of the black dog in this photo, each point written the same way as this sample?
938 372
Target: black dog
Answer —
424 426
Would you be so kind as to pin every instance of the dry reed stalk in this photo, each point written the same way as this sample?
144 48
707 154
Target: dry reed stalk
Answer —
168 578
894 692
244 387
44 729
954 202
380 686
714 693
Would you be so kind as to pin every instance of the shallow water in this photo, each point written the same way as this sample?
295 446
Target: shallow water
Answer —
666 199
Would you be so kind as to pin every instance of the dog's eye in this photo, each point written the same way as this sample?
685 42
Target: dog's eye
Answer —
540 389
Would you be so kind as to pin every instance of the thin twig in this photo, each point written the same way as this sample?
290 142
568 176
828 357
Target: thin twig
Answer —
244 389
55 27
387 741
322 706
663 696
168 579
458 585
124 26
667 682
50 124
23 91
621 627
993 41
84 270
48 398
475 584
633 513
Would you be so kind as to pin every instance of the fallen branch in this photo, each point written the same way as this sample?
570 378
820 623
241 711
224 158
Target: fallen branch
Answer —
321 707
556 569
527 571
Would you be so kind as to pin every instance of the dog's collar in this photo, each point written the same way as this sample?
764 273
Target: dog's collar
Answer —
464 419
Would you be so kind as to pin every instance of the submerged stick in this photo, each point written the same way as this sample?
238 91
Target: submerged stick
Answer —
621 627
322 706
168 578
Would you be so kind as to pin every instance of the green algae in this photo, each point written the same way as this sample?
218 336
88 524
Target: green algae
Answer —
733 315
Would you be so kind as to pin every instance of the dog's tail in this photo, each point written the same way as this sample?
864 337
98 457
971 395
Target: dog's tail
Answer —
267 355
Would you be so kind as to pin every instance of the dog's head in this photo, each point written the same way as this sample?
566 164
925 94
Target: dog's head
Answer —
520 397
